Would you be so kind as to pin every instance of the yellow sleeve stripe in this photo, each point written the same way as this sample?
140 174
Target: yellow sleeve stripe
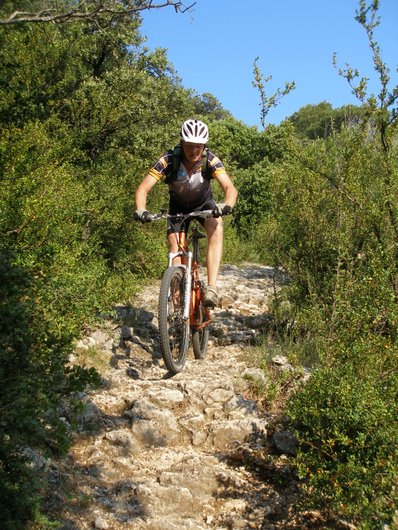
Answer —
154 173
218 172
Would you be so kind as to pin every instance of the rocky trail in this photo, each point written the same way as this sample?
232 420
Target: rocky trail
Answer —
185 452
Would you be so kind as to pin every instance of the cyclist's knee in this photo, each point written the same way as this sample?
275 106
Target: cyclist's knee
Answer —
214 227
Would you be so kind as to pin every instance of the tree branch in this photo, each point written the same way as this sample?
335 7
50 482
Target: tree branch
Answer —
268 102
102 9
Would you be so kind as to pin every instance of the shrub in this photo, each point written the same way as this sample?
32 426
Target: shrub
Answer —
347 428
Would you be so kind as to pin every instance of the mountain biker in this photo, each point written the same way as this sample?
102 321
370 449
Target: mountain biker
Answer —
189 191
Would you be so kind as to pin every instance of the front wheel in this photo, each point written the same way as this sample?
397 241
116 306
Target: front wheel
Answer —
173 328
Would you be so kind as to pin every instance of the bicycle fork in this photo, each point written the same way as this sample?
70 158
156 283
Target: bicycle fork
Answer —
187 258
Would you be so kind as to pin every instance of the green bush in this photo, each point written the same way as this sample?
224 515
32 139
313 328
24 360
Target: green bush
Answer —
347 428
236 249
19 489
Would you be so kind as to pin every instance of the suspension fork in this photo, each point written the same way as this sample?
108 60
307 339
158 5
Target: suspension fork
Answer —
186 263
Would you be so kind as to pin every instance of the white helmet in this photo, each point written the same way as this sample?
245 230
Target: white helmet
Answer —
195 131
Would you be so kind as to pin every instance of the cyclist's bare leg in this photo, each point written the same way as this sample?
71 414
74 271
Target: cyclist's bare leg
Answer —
215 236
173 247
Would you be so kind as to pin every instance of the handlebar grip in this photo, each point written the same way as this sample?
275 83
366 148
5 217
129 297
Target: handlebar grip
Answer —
145 218
229 210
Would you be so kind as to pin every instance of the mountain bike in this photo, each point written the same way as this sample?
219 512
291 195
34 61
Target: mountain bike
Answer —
181 312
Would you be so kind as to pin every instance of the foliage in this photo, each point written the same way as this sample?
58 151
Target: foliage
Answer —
84 110
238 145
256 181
208 105
334 232
332 227
348 429
19 489
321 120
268 102
237 250
42 11
254 197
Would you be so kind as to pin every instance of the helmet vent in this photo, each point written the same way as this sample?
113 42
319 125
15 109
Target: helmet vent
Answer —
195 131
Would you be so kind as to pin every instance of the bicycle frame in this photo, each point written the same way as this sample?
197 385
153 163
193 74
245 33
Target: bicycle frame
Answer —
189 261
182 320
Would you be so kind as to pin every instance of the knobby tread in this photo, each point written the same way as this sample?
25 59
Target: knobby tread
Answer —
173 330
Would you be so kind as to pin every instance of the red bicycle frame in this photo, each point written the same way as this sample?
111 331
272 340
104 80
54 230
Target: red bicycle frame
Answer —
196 320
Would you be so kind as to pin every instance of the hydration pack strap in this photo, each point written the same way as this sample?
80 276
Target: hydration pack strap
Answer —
177 157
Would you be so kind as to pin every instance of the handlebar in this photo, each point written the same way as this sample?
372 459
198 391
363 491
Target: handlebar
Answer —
180 217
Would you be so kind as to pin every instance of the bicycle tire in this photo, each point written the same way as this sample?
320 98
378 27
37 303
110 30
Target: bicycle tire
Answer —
200 340
200 337
173 329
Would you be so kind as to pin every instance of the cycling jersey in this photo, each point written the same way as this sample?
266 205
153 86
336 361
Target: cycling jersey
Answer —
187 192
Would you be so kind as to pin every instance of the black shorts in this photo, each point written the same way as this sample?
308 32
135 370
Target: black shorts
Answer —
174 209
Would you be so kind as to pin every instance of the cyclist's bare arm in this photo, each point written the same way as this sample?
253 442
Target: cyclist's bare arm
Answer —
142 191
230 192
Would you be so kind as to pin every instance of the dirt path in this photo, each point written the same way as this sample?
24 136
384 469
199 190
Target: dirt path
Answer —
161 453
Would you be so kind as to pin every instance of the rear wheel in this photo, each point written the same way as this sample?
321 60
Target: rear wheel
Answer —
200 337
173 328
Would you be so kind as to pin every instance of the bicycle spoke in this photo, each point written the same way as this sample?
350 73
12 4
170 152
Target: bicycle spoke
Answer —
173 328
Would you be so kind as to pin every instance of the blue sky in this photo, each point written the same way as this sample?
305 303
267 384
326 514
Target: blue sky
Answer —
214 46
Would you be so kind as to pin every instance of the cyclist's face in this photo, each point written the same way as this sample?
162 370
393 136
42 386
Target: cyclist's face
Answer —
192 152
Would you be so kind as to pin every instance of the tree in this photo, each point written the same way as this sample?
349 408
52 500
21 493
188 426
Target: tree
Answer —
84 108
239 145
321 120
333 229
384 105
209 106
84 10
268 102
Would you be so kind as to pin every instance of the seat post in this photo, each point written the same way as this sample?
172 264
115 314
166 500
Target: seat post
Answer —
196 235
